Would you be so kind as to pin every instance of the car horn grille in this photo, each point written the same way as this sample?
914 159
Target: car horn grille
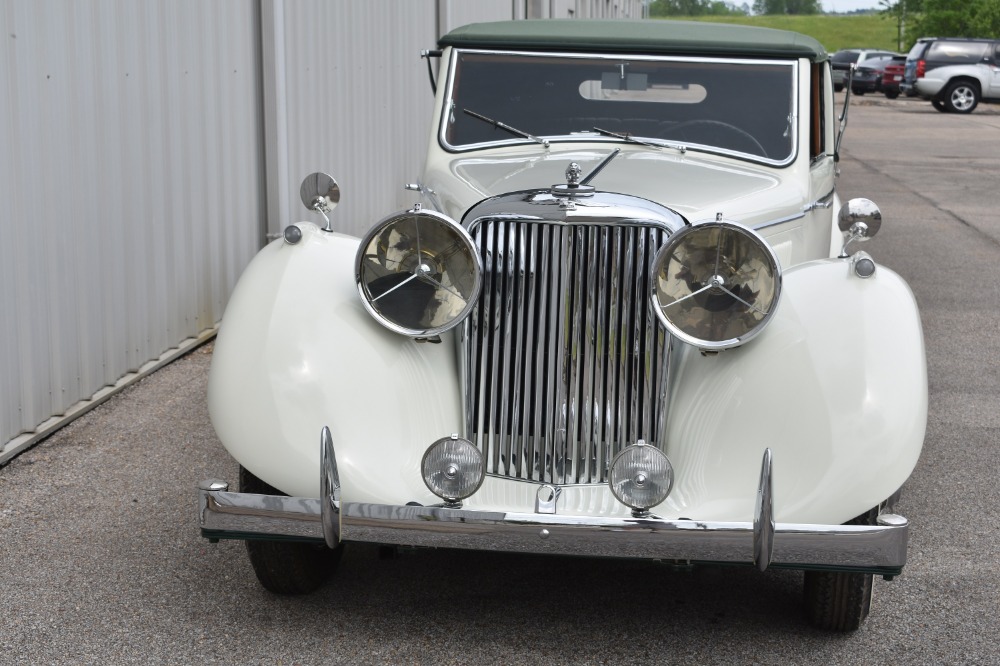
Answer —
565 365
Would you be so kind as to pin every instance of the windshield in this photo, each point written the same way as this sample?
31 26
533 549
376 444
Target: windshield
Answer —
745 107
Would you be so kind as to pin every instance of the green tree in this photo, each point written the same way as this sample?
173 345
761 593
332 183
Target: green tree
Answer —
693 8
904 13
958 18
786 7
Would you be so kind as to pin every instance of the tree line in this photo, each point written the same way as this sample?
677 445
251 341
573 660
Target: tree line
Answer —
944 18
914 18
723 8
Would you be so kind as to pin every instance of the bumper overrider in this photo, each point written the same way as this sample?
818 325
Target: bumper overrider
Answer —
876 549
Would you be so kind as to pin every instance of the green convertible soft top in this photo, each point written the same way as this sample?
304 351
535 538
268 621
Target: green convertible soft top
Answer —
651 36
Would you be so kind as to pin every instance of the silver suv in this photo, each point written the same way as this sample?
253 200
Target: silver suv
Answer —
954 73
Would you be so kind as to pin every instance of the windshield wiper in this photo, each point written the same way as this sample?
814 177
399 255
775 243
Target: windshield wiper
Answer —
628 138
506 127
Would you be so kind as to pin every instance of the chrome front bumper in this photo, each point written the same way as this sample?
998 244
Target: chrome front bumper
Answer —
877 549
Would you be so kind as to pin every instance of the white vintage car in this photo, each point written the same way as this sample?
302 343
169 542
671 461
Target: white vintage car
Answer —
624 317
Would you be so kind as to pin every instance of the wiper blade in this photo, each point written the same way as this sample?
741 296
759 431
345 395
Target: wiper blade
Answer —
628 138
507 128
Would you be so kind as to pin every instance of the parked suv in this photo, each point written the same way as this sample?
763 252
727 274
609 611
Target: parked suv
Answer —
842 60
954 73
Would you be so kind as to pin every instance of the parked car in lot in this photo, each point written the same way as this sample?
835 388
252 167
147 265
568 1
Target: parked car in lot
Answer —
892 76
624 317
868 75
843 60
954 73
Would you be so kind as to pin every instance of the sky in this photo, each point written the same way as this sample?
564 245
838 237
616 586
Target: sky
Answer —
848 5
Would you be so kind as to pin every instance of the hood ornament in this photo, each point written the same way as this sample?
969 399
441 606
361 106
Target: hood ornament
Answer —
574 186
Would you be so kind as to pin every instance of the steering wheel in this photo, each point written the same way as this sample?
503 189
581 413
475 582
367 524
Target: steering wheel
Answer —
714 126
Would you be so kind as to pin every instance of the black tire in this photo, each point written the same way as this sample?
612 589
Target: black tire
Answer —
940 105
837 87
837 600
961 97
892 94
284 567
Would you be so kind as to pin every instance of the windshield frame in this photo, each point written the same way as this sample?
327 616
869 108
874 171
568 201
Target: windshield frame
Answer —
448 105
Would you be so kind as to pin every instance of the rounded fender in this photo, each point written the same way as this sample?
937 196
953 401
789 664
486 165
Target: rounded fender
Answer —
297 351
836 387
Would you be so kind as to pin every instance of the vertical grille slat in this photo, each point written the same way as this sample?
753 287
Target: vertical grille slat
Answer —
566 363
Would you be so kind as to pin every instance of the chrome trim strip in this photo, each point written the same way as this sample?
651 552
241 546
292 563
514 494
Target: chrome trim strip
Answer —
780 220
878 549
825 201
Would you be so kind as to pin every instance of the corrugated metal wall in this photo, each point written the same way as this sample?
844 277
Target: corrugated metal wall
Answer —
129 173
148 145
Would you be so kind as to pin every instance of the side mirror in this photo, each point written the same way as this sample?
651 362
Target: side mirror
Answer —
860 219
320 193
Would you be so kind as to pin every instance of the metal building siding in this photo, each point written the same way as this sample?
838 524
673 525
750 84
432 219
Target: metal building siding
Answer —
130 173
146 145
357 103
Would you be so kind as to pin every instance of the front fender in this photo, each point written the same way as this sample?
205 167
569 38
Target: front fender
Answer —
297 350
836 387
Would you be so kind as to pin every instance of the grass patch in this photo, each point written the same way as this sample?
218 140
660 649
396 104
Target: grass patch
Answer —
834 32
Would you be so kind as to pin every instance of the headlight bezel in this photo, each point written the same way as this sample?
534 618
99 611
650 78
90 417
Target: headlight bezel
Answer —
459 235
716 284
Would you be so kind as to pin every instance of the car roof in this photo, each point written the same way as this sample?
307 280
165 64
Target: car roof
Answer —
628 36
957 39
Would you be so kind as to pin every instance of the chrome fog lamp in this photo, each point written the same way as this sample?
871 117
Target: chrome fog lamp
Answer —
418 272
715 284
453 468
641 477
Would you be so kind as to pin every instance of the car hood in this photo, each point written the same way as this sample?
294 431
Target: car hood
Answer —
696 186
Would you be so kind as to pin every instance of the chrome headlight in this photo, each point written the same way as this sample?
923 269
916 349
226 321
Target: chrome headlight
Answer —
641 476
418 272
453 468
716 284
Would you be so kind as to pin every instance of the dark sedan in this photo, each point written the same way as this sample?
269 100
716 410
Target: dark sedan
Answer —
868 75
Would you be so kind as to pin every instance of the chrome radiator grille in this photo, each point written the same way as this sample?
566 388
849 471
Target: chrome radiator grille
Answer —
564 364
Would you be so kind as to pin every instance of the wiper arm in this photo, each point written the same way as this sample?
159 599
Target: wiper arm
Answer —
507 128
626 137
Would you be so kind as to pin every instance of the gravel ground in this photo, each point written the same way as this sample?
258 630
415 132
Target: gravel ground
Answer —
101 562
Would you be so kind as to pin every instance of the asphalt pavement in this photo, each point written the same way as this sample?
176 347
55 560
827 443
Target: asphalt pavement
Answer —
101 561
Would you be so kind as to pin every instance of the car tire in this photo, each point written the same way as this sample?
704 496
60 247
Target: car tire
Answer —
940 105
961 97
839 600
837 87
284 567
892 94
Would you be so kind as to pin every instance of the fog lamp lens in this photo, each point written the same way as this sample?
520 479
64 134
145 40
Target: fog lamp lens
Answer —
453 468
641 476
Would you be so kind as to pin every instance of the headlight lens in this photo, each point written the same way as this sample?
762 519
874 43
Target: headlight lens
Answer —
716 284
418 272
453 468
641 476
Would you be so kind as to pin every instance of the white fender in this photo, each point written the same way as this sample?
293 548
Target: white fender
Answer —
297 350
836 387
